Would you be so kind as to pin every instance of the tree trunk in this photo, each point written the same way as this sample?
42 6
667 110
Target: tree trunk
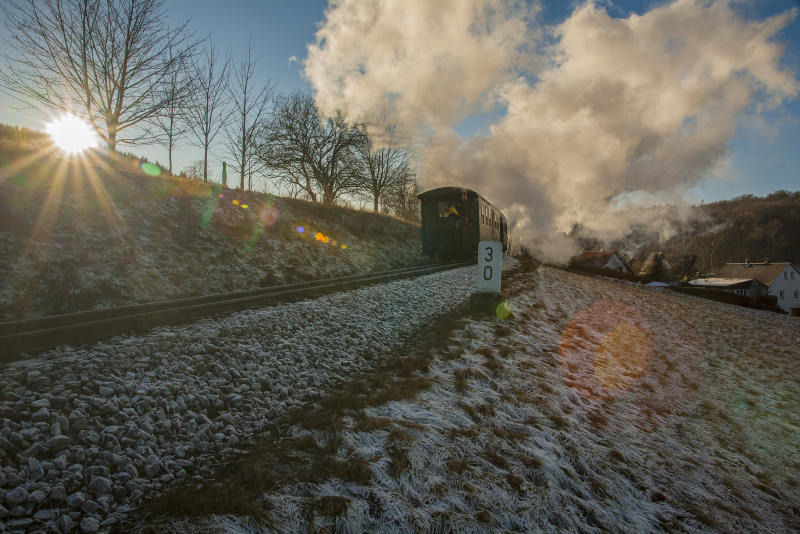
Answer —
205 163
375 203
112 139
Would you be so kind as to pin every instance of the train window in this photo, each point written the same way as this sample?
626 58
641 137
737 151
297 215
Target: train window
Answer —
444 209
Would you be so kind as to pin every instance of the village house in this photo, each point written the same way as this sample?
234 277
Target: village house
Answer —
782 280
745 287
602 259
655 263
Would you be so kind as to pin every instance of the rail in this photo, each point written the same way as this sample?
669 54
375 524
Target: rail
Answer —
19 339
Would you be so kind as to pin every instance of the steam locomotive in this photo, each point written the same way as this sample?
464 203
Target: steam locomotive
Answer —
455 220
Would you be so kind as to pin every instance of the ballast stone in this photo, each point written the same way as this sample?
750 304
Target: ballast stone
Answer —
17 496
100 485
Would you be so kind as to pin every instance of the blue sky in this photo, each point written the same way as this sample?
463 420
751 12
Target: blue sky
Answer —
762 155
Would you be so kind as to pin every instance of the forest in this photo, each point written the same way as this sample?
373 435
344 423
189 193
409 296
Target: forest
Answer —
737 230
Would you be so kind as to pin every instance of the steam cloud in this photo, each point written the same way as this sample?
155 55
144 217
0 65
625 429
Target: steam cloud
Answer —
597 110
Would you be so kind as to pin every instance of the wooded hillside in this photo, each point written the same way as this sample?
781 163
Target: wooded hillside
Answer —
744 228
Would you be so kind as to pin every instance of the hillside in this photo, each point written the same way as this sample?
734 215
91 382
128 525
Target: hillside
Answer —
77 237
736 230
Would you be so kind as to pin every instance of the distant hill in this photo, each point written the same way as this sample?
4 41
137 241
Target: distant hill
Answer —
744 228
76 237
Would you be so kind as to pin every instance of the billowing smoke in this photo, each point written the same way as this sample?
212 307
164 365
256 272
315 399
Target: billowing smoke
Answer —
599 112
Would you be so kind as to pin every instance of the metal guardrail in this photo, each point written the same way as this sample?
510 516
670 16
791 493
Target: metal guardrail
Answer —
18 339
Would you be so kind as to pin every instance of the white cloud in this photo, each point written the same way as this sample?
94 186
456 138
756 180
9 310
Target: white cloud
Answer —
619 105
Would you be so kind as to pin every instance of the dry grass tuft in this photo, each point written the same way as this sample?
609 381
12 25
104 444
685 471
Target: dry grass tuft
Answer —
461 377
457 466
485 351
493 365
486 410
210 499
617 456
331 505
515 482
509 434
402 390
364 423
531 462
506 351
502 331
470 411
559 420
483 516
497 459
597 420
397 448
452 354
457 432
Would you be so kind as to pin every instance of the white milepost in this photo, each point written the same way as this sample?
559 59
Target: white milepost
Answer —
490 262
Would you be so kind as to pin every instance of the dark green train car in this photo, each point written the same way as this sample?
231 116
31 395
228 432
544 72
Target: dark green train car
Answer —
455 220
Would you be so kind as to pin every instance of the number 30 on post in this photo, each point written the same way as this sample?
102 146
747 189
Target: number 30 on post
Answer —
490 257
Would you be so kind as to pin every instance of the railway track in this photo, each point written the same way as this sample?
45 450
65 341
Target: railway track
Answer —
20 339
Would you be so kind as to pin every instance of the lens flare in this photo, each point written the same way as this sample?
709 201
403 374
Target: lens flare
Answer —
150 169
301 229
605 349
72 134
503 310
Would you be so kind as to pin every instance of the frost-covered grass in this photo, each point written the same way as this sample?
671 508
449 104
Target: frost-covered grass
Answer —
595 407
76 237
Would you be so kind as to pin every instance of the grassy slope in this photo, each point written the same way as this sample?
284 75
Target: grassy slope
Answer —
544 422
74 237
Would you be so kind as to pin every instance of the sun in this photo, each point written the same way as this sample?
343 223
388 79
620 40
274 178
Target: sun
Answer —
72 134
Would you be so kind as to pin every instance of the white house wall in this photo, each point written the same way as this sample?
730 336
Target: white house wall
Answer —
788 281
615 263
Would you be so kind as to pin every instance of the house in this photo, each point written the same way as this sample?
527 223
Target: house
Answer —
745 287
655 264
782 280
602 259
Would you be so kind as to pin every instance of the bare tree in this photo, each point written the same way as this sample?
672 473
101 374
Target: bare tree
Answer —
250 108
402 197
102 60
207 112
194 170
378 169
171 122
308 152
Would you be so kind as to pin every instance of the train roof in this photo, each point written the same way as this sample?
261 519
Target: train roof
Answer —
446 193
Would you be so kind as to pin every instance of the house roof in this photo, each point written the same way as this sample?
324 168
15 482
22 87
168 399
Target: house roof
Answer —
763 272
655 256
595 258
725 282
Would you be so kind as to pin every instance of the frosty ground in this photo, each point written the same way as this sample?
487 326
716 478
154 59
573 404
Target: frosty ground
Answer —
596 406
85 433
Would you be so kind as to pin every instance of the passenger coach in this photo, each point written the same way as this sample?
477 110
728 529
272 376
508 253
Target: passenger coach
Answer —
455 220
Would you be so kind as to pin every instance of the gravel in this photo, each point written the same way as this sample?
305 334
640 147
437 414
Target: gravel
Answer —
86 433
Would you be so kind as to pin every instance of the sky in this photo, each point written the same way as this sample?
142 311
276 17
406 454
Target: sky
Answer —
560 112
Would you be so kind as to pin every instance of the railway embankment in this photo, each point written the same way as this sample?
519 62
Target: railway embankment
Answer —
75 237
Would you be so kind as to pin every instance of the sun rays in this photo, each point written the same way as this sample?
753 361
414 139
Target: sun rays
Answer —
67 185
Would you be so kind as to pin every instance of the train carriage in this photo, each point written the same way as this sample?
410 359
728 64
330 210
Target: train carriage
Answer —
455 220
